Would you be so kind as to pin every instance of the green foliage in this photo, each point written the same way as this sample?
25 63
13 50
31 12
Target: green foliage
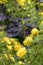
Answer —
34 54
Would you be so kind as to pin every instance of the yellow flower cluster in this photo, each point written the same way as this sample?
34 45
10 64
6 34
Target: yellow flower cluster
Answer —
29 39
22 2
15 45
21 52
3 1
12 43
10 40
8 56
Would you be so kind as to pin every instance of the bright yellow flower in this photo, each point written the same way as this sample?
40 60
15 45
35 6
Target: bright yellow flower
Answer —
20 2
17 47
20 62
3 1
21 52
7 40
28 41
9 47
34 31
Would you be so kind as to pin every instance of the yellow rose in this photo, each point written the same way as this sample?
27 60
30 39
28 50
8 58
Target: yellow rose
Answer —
7 40
28 41
21 52
34 31
17 47
20 2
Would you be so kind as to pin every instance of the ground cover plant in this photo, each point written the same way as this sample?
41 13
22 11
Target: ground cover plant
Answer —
21 32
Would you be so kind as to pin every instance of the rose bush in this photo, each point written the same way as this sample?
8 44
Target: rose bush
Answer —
21 32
